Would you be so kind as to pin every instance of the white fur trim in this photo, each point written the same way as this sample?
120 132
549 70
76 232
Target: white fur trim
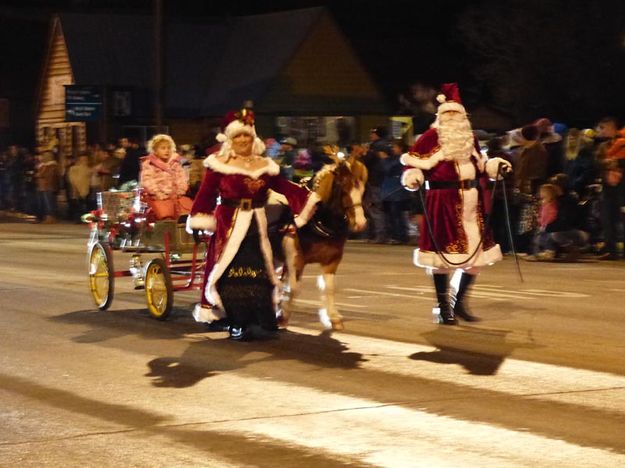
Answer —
424 164
206 313
492 167
427 259
221 137
216 165
242 222
472 231
451 106
308 211
412 179
265 245
204 222
236 127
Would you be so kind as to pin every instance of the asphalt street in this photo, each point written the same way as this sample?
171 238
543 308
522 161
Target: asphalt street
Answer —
539 382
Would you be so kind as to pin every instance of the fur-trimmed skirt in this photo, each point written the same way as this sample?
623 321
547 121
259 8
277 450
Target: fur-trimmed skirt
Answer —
245 288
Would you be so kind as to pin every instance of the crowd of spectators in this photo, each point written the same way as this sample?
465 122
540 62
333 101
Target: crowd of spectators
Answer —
566 195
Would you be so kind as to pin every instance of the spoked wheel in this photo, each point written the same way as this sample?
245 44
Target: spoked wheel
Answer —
101 279
159 292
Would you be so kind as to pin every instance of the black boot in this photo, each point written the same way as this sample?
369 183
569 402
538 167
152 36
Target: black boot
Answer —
446 315
459 304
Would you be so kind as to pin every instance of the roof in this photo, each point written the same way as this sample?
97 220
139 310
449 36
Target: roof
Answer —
212 65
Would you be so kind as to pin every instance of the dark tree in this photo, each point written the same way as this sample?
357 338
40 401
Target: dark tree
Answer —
559 59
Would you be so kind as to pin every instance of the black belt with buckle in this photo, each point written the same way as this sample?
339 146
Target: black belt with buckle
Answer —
245 204
456 184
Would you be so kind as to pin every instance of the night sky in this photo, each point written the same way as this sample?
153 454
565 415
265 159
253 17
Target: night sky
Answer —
544 56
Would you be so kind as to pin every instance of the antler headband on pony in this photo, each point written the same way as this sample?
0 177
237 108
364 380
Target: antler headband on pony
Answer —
235 123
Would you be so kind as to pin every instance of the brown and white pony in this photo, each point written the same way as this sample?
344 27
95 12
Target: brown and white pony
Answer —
340 186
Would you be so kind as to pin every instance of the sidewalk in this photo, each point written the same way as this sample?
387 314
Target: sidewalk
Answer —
7 216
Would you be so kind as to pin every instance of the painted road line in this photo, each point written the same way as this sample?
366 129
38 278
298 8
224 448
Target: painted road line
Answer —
384 293
390 435
515 377
317 303
492 293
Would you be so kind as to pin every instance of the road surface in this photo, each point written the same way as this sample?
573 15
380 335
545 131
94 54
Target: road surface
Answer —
540 382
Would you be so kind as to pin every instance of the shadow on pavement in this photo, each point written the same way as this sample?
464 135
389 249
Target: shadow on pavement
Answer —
480 351
203 358
238 449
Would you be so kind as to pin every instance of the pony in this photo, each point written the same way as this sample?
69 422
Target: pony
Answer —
340 186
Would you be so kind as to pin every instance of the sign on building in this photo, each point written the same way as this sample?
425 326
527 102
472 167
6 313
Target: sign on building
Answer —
83 103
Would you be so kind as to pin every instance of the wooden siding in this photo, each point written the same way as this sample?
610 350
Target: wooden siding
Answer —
51 110
57 73
323 73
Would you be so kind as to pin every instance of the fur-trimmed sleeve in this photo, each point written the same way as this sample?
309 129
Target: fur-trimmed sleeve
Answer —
497 167
206 198
425 153
301 201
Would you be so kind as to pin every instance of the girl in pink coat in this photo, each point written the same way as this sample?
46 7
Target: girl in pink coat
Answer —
164 179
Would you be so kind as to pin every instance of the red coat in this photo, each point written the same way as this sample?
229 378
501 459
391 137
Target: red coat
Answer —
229 224
457 216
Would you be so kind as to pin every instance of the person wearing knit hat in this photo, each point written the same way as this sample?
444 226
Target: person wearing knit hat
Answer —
446 162
611 155
241 289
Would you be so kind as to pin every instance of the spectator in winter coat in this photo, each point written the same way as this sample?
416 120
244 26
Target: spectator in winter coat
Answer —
378 151
580 166
130 165
164 179
394 197
79 176
565 230
47 175
610 153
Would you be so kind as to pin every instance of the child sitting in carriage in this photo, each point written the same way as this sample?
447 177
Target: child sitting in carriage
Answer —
164 180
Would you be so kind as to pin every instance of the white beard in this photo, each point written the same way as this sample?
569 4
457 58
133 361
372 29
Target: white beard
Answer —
456 138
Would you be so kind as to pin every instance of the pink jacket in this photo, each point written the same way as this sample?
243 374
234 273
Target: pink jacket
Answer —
548 213
162 180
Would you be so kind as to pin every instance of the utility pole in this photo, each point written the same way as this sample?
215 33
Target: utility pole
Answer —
159 64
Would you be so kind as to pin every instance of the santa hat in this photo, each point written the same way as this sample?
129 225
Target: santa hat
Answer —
235 123
449 99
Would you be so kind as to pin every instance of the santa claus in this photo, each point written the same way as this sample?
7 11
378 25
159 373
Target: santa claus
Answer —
447 163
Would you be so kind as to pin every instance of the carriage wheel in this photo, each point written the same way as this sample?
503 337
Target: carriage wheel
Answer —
159 292
101 279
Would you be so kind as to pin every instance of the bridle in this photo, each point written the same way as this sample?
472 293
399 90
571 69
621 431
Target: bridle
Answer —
338 200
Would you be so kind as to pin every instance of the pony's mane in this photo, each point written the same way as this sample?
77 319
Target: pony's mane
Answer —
322 185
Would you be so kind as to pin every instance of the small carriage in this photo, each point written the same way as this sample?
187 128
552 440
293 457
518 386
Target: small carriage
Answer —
163 257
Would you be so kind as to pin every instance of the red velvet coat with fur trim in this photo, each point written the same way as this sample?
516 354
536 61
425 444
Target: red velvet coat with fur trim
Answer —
229 224
457 217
